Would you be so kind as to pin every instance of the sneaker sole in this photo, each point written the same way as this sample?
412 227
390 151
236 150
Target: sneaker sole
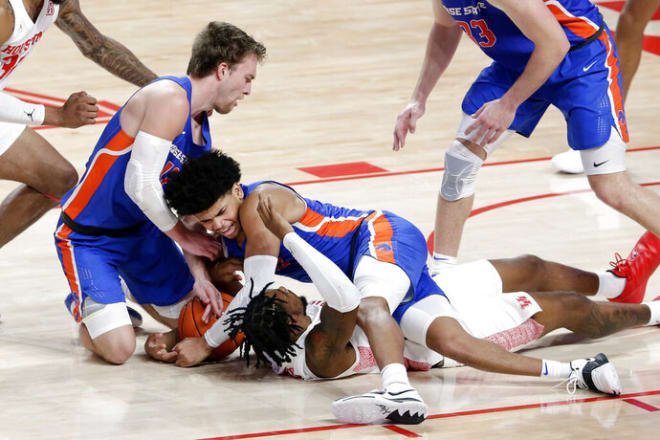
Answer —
375 409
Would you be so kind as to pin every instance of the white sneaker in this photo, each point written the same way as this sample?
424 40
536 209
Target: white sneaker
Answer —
596 374
568 162
404 407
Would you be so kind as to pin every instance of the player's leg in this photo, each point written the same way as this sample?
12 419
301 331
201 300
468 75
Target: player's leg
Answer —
592 319
465 156
434 323
44 174
630 34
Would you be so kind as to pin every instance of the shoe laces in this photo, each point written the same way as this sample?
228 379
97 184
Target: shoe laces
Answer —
572 383
619 263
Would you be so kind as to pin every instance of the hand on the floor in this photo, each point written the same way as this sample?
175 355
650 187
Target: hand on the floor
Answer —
192 351
159 346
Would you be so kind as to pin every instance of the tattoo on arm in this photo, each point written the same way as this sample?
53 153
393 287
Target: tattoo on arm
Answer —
106 52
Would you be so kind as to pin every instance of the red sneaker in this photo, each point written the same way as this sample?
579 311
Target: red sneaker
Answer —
637 268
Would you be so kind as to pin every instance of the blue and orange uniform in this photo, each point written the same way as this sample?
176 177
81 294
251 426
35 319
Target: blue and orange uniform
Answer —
345 235
586 86
103 235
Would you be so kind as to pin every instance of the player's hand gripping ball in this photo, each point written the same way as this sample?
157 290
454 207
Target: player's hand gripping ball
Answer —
192 326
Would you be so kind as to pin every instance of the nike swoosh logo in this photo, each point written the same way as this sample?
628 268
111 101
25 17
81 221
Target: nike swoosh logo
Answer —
596 165
584 69
545 373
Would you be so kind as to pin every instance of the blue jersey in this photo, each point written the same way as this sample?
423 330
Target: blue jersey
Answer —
494 32
99 199
344 235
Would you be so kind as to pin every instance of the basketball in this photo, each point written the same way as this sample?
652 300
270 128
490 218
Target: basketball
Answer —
192 326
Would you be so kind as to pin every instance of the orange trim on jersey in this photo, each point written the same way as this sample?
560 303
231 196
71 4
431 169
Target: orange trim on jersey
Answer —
382 239
577 25
69 269
311 218
615 89
96 174
332 228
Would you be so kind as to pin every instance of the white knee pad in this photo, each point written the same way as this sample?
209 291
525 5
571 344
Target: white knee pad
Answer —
101 318
460 176
606 159
385 280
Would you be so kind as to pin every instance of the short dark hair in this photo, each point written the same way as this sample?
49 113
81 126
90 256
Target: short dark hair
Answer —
221 42
268 329
201 182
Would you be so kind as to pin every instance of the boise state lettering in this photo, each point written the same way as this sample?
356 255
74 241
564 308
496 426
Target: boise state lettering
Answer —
494 32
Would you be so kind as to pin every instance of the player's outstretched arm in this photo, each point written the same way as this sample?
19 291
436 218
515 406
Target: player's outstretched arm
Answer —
440 47
327 350
106 52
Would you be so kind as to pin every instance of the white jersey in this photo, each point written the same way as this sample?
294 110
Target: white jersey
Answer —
25 36
415 356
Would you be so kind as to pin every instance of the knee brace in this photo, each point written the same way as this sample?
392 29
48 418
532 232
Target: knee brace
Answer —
460 176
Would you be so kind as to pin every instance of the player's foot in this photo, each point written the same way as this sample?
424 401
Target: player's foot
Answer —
404 407
568 162
136 317
596 374
637 268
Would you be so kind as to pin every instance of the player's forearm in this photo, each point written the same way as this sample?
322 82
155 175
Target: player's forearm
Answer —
333 285
259 271
118 60
197 266
544 60
440 49
14 110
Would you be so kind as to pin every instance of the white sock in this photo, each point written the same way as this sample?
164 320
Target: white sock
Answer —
654 306
555 369
395 376
610 285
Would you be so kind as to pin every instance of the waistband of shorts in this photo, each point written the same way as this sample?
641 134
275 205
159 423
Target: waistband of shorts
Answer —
592 37
98 231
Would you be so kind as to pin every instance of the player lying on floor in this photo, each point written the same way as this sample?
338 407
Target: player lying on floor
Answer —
464 319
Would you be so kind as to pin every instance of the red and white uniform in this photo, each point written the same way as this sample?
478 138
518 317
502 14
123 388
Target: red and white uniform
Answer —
26 34
13 51
415 356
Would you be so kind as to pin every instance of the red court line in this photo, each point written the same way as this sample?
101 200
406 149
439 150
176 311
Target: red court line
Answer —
443 416
432 170
400 430
642 405
34 95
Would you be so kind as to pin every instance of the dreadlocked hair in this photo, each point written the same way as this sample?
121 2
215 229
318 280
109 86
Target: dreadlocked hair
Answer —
267 328
201 182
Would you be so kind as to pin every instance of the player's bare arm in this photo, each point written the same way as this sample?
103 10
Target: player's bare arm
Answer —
328 352
440 48
6 21
261 240
538 24
106 52
154 117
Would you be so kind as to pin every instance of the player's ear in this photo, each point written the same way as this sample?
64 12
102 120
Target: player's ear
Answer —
238 191
222 71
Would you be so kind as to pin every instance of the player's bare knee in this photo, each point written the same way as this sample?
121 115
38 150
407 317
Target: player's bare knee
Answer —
460 175
610 195
535 268
64 178
116 348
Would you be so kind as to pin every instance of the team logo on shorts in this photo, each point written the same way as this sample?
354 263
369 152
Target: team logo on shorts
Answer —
383 247
524 301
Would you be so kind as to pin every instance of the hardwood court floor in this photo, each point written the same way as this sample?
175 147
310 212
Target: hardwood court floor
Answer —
337 74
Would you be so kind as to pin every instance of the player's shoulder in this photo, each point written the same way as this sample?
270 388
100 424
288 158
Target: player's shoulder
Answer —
165 95
6 21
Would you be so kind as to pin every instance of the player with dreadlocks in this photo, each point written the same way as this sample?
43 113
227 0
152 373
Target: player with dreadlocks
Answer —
321 340
380 253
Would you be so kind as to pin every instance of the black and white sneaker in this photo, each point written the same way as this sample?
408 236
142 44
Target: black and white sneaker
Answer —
403 407
596 373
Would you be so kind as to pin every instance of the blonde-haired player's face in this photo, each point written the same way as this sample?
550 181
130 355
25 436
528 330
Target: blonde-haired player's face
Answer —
236 83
